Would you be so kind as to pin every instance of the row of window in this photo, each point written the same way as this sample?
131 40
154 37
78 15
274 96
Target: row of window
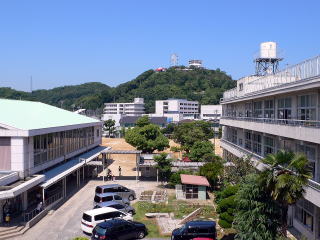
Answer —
50 146
253 143
306 109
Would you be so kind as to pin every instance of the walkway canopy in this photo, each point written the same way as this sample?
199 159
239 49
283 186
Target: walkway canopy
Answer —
56 174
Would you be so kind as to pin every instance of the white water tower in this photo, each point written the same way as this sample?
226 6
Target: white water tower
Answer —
268 60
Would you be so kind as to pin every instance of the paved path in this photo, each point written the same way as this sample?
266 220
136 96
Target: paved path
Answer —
64 223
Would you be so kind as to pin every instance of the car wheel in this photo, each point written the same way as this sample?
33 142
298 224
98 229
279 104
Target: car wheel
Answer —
131 198
130 212
141 234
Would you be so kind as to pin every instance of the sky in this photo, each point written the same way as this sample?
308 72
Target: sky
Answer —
60 42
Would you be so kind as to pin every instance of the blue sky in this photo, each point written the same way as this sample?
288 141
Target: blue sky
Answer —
71 42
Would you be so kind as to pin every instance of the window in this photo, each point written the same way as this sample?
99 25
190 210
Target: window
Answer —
269 109
248 109
268 146
98 133
116 197
310 153
307 107
86 217
304 213
234 136
107 198
257 110
240 86
248 138
256 140
284 108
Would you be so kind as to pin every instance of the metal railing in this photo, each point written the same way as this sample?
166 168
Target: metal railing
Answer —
308 69
289 122
53 199
311 183
30 215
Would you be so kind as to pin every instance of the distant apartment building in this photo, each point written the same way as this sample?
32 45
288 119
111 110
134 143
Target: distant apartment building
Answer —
177 109
210 112
45 152
279 111
116 111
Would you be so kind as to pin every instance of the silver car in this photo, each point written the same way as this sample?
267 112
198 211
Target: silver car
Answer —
118 189
108 197
119 206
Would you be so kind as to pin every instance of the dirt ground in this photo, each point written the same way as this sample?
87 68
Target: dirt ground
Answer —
127 162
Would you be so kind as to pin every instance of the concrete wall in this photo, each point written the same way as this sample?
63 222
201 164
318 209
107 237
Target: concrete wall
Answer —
5 153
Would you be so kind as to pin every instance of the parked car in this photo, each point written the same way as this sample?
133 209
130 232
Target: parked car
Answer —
117 188
92 217
119 229
195 229
107 197
119 206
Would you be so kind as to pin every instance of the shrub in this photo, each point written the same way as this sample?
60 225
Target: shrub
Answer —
227 217
227 192
175 177
80 238
225 204
224 224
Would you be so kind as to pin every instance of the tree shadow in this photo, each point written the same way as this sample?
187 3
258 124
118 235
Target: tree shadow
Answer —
230 236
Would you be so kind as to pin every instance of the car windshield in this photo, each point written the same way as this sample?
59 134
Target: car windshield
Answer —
86 217
98 190
100 230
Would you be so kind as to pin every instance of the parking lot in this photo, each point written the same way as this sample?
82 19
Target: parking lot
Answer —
64 223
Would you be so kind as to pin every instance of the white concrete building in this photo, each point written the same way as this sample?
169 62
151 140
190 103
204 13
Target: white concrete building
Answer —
115 111
282 111
177 109
44 152
210 112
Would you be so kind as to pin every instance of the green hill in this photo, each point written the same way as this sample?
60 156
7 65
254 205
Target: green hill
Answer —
203 85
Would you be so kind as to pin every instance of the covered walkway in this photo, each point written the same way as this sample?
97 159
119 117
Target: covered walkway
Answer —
63 179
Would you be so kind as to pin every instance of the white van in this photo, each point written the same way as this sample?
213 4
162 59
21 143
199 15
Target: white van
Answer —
92 217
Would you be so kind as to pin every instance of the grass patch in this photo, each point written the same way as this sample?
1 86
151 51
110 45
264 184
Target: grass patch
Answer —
178 207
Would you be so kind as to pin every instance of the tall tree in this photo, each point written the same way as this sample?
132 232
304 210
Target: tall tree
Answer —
285 178
164 166
212 170
201 151
109 126
237 169
147 138
257 214
190 132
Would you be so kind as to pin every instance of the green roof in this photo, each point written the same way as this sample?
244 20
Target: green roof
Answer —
27 115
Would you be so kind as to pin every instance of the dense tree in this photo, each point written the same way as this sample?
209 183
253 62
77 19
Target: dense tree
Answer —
163 165
237 169
227 205
285 179
257 214
109 127
212 170
168 129
202 85
143 121
201 151
190 132
147 138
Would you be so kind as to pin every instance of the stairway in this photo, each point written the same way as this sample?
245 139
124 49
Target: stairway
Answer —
13 231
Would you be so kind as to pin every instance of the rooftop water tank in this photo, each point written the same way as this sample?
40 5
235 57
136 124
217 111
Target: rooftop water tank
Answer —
268 50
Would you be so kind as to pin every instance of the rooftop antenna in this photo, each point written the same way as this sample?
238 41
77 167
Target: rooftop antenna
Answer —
268 60
31 84
174 59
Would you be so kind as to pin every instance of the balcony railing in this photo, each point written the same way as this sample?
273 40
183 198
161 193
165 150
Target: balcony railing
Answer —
311 183
301 71
288 122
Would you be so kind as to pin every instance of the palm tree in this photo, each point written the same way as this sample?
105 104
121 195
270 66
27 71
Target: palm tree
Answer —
285 178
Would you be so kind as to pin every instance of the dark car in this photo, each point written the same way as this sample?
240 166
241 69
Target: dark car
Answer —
195 229
119 229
